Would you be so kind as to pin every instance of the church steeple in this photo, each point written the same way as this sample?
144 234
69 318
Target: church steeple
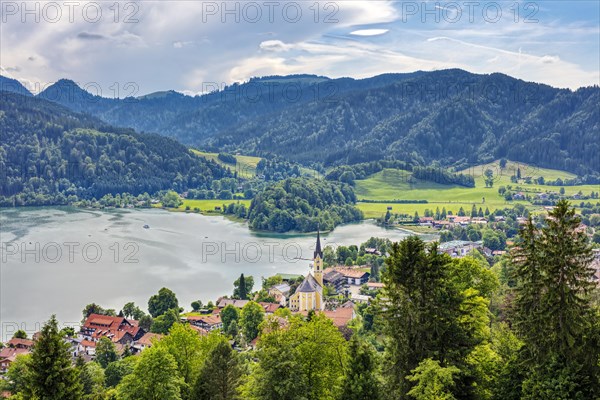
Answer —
318 250
318 261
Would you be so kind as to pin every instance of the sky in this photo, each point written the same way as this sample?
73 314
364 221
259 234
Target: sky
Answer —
131 48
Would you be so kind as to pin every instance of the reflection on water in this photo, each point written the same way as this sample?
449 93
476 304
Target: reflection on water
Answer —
57 260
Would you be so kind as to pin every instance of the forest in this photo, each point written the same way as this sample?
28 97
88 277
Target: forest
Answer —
527 328
303 205
50 155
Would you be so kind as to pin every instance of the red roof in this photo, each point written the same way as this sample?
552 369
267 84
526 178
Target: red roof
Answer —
112 327
16 342
10 353
270 308
340 316
88 343
209 319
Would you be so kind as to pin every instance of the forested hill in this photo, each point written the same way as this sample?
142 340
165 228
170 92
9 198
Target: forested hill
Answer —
451 116
51 155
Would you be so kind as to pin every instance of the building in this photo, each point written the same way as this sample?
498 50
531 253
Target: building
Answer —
8 355
208 322
117 329
20 343
237 303
280 293
145 341
309 294
458 248
334 279
354 276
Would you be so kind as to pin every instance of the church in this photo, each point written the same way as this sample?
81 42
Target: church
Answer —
309 295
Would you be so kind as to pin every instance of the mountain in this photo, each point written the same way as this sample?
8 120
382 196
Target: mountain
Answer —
13 86
52 155
451 117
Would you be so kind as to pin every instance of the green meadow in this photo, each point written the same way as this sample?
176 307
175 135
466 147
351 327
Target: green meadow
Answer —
394 184
246 165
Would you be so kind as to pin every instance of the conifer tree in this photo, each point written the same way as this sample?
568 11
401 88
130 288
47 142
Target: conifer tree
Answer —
361 380
220 375
51 375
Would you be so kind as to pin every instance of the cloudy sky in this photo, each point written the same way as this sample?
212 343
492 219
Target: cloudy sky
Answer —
138 47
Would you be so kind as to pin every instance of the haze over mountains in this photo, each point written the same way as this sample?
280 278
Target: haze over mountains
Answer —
452 116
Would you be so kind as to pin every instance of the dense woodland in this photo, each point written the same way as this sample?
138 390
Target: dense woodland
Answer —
303 205
451 116
50 155
527 328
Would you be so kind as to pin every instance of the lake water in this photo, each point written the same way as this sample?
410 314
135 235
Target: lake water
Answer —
57 260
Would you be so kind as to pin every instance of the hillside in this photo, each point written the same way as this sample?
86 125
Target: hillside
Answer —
450 116
378 191
51 155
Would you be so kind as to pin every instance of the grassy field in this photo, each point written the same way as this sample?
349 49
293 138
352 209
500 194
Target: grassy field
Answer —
393 184
205 206
246 165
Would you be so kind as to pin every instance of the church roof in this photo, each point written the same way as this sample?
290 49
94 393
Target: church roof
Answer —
318 247
309 285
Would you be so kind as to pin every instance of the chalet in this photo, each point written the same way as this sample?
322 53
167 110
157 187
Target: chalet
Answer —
426 221
208 322
354 276
269 308
87 347
117 329
280 293
145 341
334 279
8 355
340 317
20 343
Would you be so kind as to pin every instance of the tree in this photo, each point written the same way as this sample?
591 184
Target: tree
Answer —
245 289
162 302
503 163
552 307
145 323
305 360
116 371
185 345
196 305
51 375
220 375
154 377
562 191
432 381
360 382
164 322
250 318
92 378
489 177
17 374
20 334
92 308
229 314
106 352
130 310
171 200
425 312
518 173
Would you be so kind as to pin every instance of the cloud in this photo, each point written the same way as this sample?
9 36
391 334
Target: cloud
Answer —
369 32
90 36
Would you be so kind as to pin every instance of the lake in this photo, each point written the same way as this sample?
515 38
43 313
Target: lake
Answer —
55 260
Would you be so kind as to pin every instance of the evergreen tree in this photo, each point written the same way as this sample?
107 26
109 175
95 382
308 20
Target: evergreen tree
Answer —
106 352
220 375
552 306
50 374
361 380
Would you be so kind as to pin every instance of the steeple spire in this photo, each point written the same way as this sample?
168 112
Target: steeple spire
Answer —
318 250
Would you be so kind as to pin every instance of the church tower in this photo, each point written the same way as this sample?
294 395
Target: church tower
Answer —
318 261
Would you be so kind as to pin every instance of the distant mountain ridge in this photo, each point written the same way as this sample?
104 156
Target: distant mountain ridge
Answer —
451 117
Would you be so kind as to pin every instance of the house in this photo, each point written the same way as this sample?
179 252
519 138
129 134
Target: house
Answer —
334 279
20 343
209 322
87 347
237 303
8 355
458 248
518 196
309 294
145 341
426 221
354 275
360 298
117 329
372 250
280 293
375 285
269 308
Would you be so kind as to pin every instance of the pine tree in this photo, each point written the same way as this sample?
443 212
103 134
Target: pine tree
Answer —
220 375
361 381
242 288
51 375
552 308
